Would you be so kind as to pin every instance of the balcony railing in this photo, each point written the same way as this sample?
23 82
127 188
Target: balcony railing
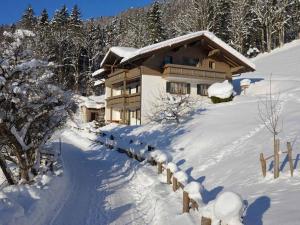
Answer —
124 101
192 72
123 75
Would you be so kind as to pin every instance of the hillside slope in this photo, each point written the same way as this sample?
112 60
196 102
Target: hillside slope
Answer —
220 145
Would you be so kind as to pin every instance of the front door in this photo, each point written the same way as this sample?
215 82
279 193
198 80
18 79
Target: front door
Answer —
93 116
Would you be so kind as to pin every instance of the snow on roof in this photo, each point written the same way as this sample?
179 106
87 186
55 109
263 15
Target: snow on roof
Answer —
98 82
98 72
173 41
122 52
93 102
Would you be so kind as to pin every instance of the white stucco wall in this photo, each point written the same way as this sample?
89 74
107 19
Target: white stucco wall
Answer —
116 114
152 87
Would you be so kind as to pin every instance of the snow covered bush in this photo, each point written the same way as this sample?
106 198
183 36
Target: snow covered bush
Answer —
221 92
32 105
171 108
227 209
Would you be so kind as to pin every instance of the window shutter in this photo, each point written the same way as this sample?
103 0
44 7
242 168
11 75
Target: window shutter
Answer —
168 87
189 88
198 89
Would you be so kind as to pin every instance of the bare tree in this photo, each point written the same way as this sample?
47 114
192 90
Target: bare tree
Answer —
171 108
269 110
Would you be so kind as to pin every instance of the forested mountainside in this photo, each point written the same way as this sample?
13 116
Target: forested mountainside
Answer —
77 45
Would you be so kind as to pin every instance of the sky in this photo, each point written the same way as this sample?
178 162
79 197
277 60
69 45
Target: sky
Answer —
11 10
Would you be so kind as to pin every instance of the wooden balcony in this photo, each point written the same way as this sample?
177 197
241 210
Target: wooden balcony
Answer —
124 101
192 72
123 75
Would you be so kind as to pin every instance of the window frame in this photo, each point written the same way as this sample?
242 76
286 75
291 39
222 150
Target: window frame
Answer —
179 86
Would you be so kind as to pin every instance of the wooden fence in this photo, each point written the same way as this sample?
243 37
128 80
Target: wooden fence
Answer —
187 202
276 159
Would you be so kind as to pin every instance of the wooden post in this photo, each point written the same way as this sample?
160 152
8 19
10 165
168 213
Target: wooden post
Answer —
276 158
175 186
169 176
263 164
290 157
185 202
159 168
194 204
205 221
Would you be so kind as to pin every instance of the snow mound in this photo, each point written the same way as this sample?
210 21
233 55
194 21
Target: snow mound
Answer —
221 90
245 82
181 177
228 208
193 189
173 167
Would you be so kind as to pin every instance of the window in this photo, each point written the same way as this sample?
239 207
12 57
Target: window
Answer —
178 88
93 116
212 65
190 61
168 60
202 89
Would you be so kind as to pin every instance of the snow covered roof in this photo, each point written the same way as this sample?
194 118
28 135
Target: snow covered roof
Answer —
98 82
93 102
169 43
130 54
122 52
98 72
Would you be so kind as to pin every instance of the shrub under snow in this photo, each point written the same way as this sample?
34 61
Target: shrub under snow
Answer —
227 208
221 90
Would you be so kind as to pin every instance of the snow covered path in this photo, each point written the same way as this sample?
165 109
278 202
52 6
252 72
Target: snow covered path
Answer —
106 187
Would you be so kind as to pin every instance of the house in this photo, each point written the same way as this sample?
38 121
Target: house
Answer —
92 109
182 65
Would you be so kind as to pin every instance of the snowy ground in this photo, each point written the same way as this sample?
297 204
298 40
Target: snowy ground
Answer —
99 186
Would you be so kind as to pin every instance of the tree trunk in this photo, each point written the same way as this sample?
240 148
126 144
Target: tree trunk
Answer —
6 171
24 174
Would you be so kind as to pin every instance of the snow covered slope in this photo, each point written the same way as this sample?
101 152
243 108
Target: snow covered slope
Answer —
220 145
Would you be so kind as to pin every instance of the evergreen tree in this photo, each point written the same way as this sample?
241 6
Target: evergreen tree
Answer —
155 26
61 17
75 17
44 18
28 20
222 19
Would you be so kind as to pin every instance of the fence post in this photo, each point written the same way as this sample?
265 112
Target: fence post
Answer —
263 164
290 157
175 186
205 221
169 175
276 158
185 202
159 167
